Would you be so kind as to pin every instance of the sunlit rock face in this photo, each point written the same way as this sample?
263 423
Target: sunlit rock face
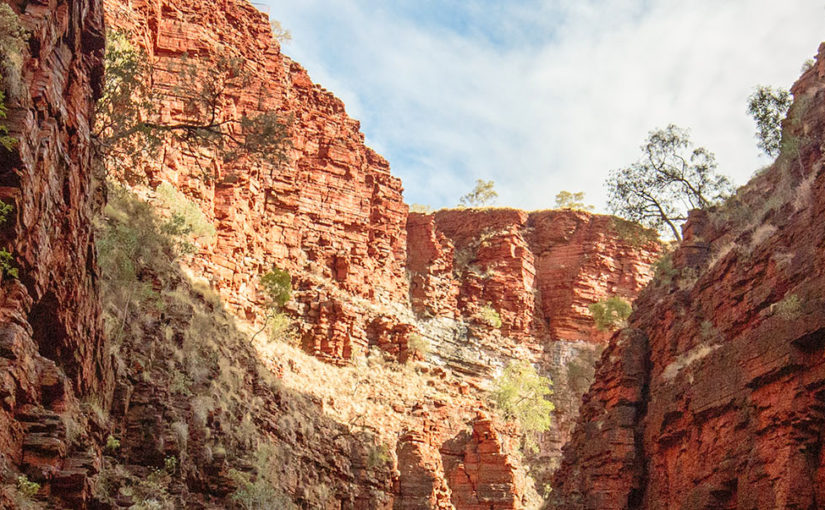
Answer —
713 397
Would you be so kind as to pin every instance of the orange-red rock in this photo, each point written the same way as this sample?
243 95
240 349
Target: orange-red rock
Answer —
714 398
539 270
333 216
51 342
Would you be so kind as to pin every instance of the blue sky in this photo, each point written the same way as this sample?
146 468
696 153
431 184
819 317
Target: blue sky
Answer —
541 95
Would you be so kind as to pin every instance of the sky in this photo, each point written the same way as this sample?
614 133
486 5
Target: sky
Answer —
546 95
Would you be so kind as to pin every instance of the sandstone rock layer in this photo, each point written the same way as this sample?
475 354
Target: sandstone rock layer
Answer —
713 398
51 338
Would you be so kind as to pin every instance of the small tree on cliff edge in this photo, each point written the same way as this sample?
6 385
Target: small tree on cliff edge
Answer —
768 106
482 195
521 394
129 128
671 178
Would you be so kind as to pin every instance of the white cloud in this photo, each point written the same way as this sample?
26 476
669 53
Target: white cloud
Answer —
555 94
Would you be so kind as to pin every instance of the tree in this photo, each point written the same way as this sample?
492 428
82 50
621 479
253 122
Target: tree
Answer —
575 201
482 195
670 179
277 287
768 106
129 129
611 313
281 34
521 394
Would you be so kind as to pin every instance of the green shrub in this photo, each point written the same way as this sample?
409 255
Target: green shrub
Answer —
6 141
195 221
574 201
257 495
26 487
789 308
611 313
277 286
12 44
7 268
482 195
112 443
378 456
632 233
490 316
521 394
664 272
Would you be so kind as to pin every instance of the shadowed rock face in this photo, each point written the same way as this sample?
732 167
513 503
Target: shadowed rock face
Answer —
714 397
333 216
51 343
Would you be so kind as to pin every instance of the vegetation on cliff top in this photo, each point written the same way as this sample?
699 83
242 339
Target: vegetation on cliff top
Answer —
671 178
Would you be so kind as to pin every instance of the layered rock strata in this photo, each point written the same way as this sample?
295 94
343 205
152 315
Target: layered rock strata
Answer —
713 398
51 341
331 215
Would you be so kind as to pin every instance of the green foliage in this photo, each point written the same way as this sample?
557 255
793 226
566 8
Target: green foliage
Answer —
187 220
12 44
789 308
277 286
768 106
490 316
280 34
378 456
632 233
257 495
521 394
7 264
611 313
6 141
5 211
26 487
129 130
130 236
170 464
121 135
112 443
575 201
482 195
672 178
420 208
6 258
664 272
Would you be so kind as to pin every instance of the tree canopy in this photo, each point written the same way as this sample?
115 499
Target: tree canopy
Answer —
671 178
521 394
768 107
129 127
482 195
568 200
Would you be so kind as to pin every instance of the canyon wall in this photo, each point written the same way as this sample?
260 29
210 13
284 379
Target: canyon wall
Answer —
713 397
366 274
51 338
93 425
332 215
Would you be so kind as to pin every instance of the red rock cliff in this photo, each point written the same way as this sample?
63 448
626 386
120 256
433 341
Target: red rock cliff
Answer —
51 343
333 216
713 398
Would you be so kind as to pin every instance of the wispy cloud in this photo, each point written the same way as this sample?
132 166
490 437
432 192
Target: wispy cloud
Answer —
542 96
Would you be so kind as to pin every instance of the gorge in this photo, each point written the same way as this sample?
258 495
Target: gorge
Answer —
133 375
